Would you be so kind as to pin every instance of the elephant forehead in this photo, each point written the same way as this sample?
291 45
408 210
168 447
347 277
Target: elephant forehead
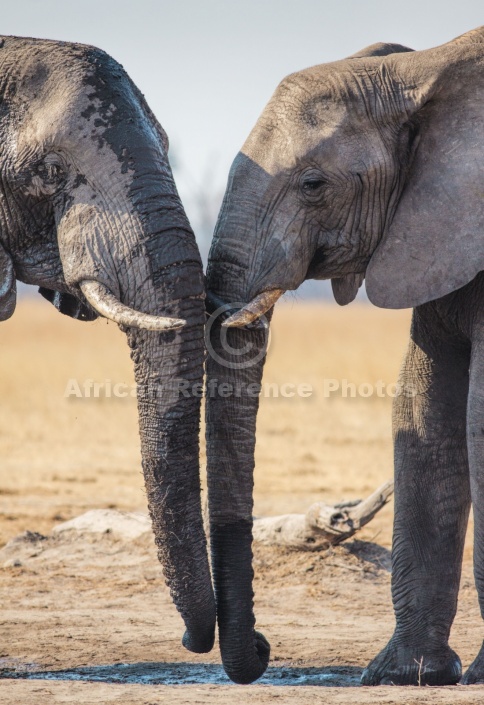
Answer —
86 106
71 120
67 113
56 114
302 117
285 149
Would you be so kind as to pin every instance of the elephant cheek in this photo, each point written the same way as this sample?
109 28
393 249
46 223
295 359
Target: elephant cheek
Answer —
85 237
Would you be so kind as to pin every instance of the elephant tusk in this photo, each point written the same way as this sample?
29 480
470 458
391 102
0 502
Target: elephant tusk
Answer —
106 304
254 309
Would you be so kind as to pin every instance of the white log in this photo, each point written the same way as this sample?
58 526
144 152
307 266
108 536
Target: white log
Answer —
323 525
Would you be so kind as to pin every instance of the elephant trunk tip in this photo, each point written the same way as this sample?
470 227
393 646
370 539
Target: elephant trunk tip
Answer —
253 667
199 643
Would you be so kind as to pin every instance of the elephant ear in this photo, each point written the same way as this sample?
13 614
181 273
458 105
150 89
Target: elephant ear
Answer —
345 288
8 286
434 243
380 49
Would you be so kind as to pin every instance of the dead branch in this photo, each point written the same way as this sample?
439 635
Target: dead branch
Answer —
323 525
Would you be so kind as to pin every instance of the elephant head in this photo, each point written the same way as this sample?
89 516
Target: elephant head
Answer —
90 213
368 166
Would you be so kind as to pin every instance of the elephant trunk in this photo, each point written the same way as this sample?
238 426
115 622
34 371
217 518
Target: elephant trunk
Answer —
234 371
169 374
230 466
152 267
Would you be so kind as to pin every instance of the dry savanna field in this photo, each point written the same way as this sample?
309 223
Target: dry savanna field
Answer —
86 618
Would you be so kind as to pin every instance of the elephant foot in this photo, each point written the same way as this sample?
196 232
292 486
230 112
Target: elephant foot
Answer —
475 672
402 664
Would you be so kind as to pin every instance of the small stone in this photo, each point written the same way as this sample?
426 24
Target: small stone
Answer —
13 563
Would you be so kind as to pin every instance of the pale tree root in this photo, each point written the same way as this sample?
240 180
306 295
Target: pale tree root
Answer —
323 525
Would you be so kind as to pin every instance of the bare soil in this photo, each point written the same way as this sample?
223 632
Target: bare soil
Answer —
86 618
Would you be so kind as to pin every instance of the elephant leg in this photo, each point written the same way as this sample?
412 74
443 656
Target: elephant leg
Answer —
432 501
475 444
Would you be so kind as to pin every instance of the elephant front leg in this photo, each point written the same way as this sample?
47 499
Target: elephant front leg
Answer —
432 502
475 444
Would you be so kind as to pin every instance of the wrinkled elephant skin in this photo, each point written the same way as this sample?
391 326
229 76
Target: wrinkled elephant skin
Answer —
89 212
367 167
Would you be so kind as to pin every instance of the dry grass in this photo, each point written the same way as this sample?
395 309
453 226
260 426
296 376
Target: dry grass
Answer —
62 455
330 446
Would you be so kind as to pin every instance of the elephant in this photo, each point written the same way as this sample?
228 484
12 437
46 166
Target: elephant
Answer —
368 168
89 212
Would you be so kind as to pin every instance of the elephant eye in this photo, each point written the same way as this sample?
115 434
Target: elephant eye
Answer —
312 185
50 173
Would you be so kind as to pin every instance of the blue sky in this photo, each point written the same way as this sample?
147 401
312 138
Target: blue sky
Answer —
208 67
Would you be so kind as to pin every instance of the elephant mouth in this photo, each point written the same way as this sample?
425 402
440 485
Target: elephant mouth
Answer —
317 264
346 288
328 265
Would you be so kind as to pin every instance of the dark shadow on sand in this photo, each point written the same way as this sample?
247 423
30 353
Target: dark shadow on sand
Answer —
147 673
371 552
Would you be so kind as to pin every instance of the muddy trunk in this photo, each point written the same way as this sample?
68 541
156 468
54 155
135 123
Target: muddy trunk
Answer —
165 364
169 374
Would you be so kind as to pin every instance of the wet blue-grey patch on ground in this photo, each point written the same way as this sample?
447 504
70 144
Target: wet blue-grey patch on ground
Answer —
191 674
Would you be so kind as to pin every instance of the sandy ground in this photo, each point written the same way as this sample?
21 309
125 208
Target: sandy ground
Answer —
89 618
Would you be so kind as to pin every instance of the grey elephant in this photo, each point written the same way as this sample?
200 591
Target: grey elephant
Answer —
90 213
370 167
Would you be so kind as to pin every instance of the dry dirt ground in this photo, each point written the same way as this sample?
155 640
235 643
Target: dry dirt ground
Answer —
88 617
